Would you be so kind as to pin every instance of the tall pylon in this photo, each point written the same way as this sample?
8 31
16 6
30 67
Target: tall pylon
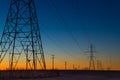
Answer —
91 62
21 36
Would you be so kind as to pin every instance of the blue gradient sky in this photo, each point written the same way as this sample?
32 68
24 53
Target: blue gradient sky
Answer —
68 27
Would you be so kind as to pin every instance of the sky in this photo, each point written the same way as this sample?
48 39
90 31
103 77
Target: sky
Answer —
68 27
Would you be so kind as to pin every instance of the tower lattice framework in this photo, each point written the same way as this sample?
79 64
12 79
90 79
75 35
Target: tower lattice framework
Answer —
92 62
21 38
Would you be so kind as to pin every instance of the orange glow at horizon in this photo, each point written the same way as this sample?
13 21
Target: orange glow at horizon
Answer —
79 65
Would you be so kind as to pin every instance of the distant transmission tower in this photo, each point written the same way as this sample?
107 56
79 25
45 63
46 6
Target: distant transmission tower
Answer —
91 62
99 65
21 36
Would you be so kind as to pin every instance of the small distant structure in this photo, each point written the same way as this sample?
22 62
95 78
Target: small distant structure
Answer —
53 58
65 65
99 65
91 61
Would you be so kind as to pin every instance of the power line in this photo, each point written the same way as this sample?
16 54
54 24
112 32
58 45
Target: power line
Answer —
60 47
66 25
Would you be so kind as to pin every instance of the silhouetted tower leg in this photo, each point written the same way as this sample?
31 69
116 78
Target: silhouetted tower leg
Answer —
91 63
21 32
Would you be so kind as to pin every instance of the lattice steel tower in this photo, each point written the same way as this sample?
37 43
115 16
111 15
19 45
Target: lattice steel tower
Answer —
21 36
92 62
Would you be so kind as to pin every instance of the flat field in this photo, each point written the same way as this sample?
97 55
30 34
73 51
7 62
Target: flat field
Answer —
83 75
67 75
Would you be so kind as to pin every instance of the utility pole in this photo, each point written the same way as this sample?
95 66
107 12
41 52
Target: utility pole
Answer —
65 65
73 67
53 57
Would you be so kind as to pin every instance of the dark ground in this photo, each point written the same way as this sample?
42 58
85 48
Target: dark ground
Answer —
59 75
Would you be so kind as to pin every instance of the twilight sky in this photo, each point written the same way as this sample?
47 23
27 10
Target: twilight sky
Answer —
68 27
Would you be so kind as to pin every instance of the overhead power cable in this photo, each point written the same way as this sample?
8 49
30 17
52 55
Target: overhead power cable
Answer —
66 24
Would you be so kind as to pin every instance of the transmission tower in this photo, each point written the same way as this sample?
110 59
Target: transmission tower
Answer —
21 36
91 62
99 65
